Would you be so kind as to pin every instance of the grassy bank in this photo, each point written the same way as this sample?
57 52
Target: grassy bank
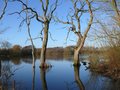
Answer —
108 63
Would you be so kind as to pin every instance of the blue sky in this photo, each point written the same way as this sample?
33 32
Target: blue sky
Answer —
59 33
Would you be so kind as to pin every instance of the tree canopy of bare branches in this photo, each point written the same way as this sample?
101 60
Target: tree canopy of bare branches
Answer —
48 8
77 12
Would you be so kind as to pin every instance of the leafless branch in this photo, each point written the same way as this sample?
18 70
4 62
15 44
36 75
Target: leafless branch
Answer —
4 8
34 39
42 5
53 10
39 18
2 31
51 37
91 19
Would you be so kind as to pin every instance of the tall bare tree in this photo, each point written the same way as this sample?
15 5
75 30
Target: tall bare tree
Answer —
75 27
48 8
28 20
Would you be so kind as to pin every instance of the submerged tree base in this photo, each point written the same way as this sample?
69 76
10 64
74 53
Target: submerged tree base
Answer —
45 65
76 65
33 66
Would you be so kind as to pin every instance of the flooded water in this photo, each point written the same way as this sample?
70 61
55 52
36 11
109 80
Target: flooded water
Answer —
19 75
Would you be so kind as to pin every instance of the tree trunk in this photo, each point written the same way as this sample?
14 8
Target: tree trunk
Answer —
44 44
76 57
33 48
77 50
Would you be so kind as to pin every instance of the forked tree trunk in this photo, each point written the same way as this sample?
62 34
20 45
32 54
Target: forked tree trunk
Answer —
44 45
77 50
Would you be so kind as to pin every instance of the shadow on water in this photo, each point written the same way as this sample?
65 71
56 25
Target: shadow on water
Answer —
77 78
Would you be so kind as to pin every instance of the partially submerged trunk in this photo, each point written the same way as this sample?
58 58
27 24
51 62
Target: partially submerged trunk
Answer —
76 57
44 45
77 78
82 38
33 48
29 34
77 50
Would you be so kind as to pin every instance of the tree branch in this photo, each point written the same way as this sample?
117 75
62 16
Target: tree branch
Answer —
89 24
42 5
52 11
4 8
38 18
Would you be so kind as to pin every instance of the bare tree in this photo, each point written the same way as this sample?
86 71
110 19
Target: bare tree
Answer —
46 17
5 44
28 20
76 29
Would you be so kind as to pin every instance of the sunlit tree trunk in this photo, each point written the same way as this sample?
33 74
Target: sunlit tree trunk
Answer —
44 45
77 50
76 57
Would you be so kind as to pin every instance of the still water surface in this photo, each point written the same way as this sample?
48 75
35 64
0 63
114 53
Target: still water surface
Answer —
62 76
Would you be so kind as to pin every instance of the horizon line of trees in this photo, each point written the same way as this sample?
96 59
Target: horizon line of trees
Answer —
18 50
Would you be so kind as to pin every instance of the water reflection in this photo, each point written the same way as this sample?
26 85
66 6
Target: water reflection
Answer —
0 68
16 60
77 78
33 78
28 78
6 74
43 78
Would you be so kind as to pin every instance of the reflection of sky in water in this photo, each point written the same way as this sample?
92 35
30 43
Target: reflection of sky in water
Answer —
59 77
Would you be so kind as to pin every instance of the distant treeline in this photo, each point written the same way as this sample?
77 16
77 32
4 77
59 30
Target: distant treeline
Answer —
58 52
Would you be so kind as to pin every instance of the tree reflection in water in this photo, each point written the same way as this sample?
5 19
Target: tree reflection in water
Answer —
77 78
6 74
43 78
33 78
